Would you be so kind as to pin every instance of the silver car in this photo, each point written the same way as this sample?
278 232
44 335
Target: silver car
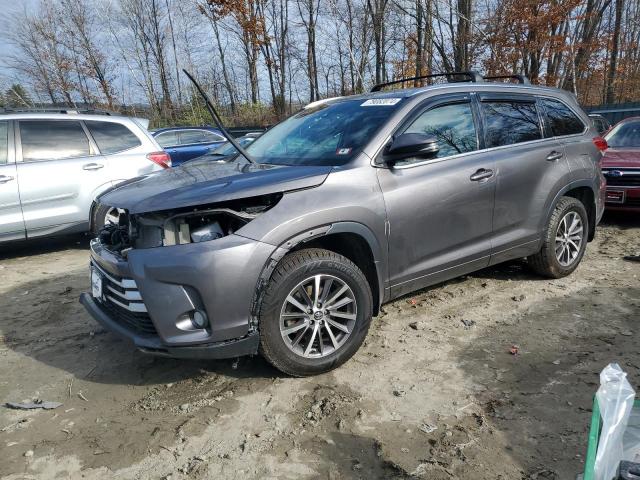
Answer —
291 249
53 165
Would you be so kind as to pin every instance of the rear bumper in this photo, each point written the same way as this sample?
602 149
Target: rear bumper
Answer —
247 345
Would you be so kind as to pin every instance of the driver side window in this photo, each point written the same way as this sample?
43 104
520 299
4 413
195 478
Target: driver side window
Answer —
451 125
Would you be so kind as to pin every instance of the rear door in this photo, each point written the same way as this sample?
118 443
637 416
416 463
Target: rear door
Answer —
59 169
529 168
11 221
439 210
119 147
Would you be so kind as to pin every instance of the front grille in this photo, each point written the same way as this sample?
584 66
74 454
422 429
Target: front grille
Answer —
622 177
138 322
122 299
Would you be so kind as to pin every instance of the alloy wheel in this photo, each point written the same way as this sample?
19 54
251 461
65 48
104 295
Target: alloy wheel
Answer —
569 238
318 316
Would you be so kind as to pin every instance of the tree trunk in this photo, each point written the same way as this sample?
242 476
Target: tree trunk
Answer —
613 61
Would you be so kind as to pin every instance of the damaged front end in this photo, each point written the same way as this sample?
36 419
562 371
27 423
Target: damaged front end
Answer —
184 225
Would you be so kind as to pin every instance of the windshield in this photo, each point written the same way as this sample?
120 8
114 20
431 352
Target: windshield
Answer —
625 135
328 134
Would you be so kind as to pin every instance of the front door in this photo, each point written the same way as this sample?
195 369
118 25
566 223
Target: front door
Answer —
11 221
59 170
439 210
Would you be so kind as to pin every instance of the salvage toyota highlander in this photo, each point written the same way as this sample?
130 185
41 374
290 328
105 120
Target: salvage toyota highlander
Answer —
291 250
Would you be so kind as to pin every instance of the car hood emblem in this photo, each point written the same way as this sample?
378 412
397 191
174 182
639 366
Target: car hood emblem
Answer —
614 173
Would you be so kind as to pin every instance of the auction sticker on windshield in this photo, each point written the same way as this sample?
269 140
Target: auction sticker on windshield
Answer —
380 102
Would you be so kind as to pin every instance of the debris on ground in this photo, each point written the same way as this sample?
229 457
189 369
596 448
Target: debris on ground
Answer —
427 428
418 325
468 323
33 405
514 350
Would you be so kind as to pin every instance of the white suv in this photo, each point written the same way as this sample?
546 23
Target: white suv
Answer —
53 165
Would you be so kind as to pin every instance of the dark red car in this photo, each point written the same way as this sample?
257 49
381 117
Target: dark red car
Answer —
621 166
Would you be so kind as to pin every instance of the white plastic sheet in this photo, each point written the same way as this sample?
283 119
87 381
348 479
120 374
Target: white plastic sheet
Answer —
615 398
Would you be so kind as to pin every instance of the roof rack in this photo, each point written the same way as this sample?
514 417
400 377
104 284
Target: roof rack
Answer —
65 110
471 76
520 78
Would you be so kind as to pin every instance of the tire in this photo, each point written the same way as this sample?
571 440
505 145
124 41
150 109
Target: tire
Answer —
332 347
546 262
99 218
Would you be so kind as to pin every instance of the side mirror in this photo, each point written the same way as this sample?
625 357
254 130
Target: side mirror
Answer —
410 145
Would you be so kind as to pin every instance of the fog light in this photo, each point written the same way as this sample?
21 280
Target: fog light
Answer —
199 319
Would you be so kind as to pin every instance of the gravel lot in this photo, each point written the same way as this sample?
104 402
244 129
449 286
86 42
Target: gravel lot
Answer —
434 392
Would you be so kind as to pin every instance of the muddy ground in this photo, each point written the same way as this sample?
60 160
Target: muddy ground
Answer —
434 392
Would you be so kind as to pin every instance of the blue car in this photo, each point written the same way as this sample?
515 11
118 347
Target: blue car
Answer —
185 143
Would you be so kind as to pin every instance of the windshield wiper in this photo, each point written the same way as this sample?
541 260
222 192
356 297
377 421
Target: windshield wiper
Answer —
216 119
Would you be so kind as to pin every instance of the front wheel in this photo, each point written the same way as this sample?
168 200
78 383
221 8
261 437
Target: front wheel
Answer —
315 313
565 240
104 215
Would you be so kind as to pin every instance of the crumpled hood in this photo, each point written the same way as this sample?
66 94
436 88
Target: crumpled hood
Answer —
202 182
624 158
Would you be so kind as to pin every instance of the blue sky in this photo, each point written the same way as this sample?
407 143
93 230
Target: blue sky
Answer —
7 9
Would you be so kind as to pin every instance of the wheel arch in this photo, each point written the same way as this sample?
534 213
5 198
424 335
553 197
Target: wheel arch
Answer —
581 190
350 239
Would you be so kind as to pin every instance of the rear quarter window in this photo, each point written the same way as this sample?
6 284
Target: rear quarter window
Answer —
510 122
562 121
112 137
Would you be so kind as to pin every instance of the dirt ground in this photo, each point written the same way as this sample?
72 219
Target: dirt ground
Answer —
434 393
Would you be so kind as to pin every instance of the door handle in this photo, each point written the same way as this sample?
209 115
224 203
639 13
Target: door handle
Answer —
92 166
481 174
5 178
554 155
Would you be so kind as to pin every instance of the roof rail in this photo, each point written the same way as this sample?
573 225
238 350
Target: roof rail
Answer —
471 76
520 78
66 110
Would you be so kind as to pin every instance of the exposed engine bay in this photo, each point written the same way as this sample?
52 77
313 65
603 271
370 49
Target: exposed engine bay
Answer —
188 225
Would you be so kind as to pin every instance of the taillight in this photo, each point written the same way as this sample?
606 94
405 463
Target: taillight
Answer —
161 158
600 143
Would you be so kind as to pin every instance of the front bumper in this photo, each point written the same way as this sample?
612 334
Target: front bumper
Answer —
247 345
626 198
149 296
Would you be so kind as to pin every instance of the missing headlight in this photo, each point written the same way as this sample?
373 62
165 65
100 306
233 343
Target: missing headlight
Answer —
204 224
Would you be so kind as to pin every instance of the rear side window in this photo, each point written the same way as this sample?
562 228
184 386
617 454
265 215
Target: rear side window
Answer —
188 137
167 139
453 127
562 120
4 142
510 122
52 140
213 137
112 137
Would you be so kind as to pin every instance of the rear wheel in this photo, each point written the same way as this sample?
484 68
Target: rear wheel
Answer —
565 240
315 312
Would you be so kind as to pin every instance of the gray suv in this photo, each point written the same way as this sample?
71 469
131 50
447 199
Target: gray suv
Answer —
53 165
346 205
